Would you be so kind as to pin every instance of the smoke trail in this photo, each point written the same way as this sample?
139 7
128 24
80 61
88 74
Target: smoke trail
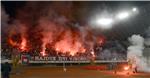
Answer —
135 53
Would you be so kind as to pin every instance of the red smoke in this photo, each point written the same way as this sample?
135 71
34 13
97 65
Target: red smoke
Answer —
47 27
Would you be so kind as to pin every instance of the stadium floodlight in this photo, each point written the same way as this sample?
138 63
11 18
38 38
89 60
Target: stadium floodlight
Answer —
104 22
134 9
123 15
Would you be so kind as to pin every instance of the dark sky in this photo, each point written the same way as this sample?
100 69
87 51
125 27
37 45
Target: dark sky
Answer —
135 25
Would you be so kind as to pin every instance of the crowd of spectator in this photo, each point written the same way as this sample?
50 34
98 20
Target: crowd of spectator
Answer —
110 51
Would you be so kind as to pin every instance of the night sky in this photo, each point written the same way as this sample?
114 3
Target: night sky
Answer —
83 11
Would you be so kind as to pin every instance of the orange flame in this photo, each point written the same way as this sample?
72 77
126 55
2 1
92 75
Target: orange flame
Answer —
11 42
67 47
43 53
23 44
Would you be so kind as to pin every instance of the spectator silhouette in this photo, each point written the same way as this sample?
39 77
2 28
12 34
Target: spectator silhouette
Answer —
6 69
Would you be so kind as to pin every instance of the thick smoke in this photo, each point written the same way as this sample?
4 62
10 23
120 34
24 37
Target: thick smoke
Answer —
50 25
135 53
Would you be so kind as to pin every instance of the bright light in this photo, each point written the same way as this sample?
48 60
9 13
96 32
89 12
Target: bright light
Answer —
104 22
134 9
43 53
123 15
126 68
93 54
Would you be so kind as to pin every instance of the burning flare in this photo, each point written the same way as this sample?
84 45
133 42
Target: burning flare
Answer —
23 44
126 68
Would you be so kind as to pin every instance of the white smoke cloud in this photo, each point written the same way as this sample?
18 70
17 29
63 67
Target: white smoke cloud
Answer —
135 53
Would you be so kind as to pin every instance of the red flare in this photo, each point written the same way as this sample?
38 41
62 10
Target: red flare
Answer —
23 44
126 68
